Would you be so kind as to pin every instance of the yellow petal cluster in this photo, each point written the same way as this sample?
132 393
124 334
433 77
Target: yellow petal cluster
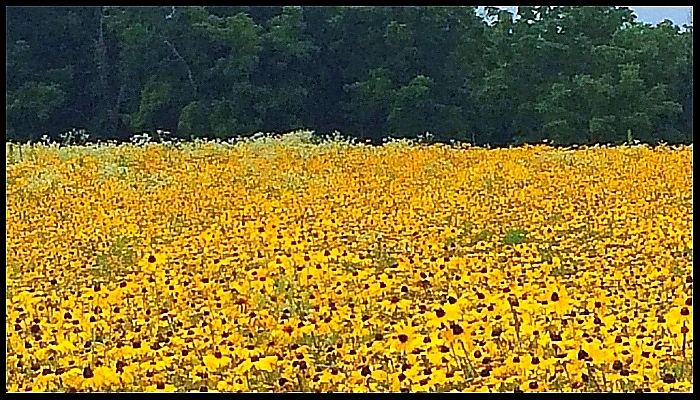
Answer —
269 266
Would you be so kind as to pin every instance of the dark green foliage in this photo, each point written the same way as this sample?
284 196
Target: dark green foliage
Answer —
569 74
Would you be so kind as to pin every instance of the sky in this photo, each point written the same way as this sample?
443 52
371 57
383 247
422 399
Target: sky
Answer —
652 14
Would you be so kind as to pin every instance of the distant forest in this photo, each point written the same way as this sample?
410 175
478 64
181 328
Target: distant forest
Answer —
567 74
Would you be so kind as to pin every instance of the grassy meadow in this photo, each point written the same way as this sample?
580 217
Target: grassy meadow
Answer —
282 264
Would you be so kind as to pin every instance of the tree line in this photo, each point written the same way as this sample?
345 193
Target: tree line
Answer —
567 74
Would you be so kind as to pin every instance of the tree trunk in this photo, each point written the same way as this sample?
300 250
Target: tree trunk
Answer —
103 96
109 111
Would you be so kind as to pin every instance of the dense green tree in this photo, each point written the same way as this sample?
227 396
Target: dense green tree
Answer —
585 109
281 75
412 108
50 53
531 51
571 74
664 58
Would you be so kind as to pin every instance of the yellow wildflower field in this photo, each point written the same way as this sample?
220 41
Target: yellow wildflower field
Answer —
274 265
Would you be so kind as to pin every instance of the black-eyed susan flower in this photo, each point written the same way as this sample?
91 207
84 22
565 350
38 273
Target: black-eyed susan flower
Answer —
313 272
